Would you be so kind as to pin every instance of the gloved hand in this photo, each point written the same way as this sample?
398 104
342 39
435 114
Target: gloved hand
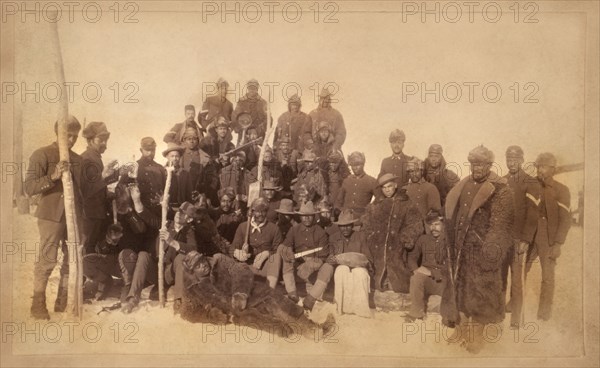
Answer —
260 259
554 251
332 260
240 255
522 247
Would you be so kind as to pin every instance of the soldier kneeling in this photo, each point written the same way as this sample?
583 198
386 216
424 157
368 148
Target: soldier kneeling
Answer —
220 290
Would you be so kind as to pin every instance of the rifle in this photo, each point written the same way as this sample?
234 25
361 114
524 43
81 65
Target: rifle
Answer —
239 148
162 245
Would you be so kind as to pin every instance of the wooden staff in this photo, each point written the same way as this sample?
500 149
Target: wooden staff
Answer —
75 247
162 245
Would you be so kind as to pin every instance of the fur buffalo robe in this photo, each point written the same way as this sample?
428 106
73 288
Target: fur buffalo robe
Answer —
208 300
477 244
392 226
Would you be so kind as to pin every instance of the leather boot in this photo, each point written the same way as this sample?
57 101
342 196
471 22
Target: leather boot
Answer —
38 306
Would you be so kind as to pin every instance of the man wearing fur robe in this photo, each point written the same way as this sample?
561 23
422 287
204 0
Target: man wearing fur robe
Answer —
392 225
220 290
479 213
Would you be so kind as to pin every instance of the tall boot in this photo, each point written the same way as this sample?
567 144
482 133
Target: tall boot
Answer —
61 299
38 306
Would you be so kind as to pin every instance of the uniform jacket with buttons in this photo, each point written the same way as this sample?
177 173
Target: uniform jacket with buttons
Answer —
519 183
42 163
267 239
396 165
425 195
301 238
151 180
557 200
356 192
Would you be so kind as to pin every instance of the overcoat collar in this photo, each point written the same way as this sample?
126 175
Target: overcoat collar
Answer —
486 189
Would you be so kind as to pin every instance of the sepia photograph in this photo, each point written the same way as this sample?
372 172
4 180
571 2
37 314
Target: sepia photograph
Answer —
300 183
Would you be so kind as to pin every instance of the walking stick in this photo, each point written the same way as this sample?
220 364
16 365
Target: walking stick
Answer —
74 245
162 245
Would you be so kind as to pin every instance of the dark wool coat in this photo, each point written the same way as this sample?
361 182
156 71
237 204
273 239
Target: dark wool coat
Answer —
208 300
392 225
42 163
479 244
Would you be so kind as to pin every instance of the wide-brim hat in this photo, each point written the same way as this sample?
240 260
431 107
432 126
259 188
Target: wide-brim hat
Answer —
346 218
171 146
386 178
307 209
286 207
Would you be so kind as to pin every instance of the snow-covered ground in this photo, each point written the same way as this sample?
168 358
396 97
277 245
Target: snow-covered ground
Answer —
152 330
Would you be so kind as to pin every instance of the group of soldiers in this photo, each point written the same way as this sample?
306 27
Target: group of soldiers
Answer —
416 229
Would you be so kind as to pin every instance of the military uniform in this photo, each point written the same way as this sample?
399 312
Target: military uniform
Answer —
396 165
216 106
50 213
352 284
257 108
425 195
151 180
263 237
547 223
335 120
290 126
95 202
176 133
356 193
518 183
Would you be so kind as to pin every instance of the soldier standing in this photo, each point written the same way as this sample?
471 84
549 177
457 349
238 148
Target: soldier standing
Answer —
290 125
425 195
518 180
396 163
253 104
151 175
357 189
324 112
95 179
479 213
177 132
44 178
547 223
217 105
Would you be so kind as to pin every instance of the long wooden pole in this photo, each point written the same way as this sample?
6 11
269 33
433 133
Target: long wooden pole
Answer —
161 245
75 247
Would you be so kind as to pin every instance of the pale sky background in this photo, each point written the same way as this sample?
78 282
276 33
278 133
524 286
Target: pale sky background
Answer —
170 52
